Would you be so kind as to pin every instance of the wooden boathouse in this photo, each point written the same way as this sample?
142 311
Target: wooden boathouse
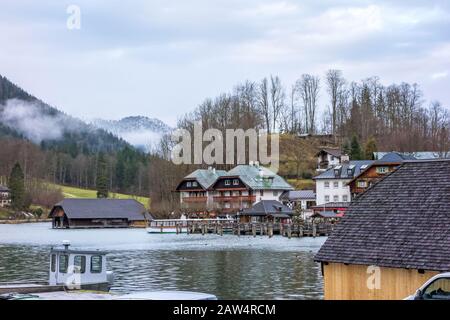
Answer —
99 213
394 236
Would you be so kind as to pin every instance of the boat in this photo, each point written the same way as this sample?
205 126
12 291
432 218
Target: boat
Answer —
69 269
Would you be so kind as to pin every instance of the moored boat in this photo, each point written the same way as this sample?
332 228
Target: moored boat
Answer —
69 269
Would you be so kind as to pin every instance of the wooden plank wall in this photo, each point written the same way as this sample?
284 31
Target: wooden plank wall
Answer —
349 282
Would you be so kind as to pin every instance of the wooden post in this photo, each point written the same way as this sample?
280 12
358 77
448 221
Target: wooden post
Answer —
289 231
281 229
254 230
314 229
300 231
270 231
239 230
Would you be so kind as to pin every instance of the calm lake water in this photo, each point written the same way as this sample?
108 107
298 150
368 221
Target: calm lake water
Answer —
230 267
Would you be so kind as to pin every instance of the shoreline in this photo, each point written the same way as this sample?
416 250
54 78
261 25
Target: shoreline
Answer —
22 221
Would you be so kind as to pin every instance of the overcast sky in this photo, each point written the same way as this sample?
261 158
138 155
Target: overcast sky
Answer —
163 58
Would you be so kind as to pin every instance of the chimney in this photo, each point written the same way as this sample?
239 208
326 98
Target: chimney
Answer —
345 158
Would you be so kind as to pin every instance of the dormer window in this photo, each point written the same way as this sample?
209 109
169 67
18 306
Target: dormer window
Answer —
194 183
351 170
188 184
235 182
337 171
227 182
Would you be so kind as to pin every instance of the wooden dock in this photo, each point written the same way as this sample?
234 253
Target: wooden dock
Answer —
310 229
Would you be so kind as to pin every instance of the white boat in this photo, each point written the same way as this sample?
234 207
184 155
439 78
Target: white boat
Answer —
69 269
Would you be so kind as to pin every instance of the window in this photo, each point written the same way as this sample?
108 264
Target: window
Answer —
188 184
53 263
227 182
235 182
275 193
194 183
336 184
439 290
261 193
362 184
382 170
63 263
96 264
327 198
336 198
79 263
345 198
327 184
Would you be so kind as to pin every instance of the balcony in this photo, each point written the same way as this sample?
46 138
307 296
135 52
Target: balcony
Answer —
234 198
195 199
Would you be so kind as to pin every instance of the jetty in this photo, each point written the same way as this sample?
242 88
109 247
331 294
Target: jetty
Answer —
217 226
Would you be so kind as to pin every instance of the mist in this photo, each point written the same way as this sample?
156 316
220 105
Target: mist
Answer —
29 119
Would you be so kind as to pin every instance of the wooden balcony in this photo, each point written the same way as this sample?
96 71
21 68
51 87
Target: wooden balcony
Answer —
234 198
195 199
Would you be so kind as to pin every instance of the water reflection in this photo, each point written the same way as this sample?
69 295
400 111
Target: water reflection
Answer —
229 267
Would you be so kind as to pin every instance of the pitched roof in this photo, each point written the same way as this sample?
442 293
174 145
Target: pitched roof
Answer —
333 152
252 176
401 222
419 155
205 177
268 207
359 166
103 209
395 157
299 195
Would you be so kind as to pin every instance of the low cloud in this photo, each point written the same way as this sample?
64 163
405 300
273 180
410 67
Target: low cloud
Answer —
29 119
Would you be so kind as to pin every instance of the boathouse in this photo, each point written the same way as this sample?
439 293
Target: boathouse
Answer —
394 236
99 213
266 211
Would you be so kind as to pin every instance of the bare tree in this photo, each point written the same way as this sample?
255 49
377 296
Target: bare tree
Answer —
335 87
308 87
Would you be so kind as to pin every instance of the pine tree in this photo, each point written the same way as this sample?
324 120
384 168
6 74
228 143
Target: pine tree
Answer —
370 148
102 177
17 186
355 149
346 148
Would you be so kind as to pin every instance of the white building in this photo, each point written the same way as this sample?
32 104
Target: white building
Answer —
328 158
5 196
332 185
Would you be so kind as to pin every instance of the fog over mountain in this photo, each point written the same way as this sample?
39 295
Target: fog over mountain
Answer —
140 131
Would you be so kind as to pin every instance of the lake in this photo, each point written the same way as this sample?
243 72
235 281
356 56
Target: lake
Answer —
228 266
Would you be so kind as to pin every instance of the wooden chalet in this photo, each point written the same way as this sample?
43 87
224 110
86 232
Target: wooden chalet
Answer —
393 238
376 171
266 211
99 213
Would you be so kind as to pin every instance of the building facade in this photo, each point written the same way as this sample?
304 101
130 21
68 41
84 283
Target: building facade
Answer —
332 185
5 196
220 192
328 158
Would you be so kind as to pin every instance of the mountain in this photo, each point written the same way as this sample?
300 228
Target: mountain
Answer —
140 131
25 116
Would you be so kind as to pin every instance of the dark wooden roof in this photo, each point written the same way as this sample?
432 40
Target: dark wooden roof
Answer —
268 207
403 221
103 209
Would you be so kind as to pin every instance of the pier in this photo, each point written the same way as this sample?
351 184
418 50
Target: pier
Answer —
293 229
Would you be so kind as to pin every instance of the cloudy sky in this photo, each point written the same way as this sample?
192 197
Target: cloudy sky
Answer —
162 58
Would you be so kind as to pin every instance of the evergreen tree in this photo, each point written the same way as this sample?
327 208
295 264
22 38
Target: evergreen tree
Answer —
17 186
355 149
102 177
346 148
370 148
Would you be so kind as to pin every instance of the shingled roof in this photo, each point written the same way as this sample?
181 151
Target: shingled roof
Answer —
103 209
205 177
357 165
253 176
268 207
403 221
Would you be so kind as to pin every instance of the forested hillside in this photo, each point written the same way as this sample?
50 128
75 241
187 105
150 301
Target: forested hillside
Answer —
53 146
